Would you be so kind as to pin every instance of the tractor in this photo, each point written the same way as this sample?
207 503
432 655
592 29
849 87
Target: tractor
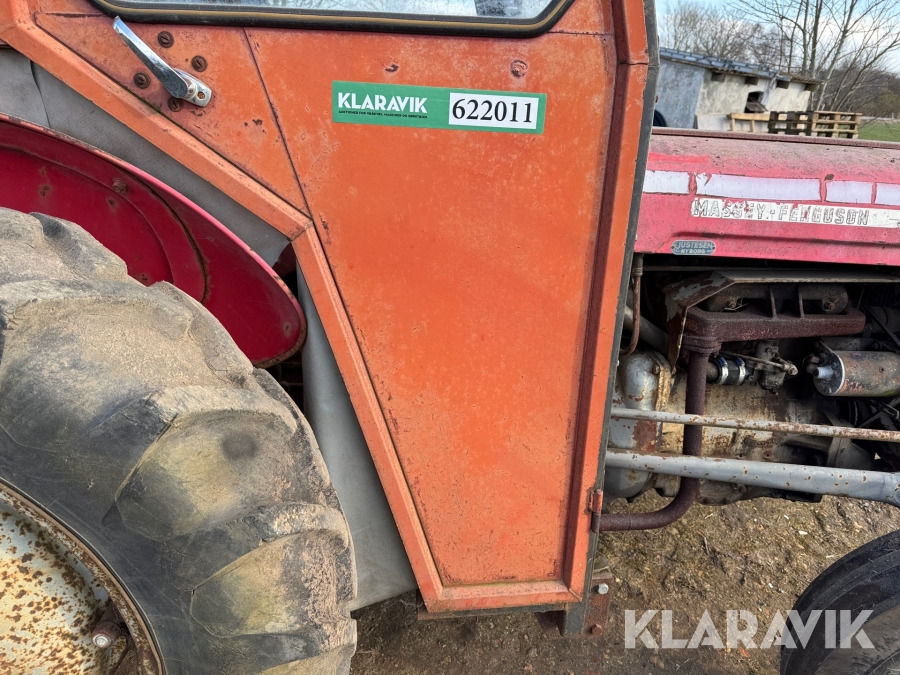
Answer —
308 303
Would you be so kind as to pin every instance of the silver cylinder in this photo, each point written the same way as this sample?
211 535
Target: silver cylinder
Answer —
857 374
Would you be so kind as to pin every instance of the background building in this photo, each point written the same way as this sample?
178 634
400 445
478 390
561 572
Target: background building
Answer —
702 92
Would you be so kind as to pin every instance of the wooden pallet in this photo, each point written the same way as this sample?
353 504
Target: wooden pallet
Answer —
835 124
789 123
753 118
825 123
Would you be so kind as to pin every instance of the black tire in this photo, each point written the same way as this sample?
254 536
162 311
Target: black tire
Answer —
865 579
130 416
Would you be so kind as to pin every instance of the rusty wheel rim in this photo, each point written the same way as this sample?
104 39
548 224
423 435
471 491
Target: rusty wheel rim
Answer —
57 601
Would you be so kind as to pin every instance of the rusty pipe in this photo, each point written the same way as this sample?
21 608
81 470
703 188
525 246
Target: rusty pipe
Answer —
661 417
650 334
689 488
637 271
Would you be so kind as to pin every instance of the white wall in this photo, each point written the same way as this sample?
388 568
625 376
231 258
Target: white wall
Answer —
688 97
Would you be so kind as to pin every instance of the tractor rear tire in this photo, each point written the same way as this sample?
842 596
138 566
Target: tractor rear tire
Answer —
129 416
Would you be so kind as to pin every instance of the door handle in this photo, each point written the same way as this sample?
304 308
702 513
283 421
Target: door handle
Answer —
177 82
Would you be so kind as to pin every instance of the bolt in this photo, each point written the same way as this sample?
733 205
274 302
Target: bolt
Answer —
602 589
175 104
828 305
198 63
518 68
102 641
119 186
596 629
656 369
165 39
141 80
105 633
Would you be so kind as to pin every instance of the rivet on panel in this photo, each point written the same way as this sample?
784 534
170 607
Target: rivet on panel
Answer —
518 68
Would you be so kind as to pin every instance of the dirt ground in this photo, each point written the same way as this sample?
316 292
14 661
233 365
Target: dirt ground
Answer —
756 556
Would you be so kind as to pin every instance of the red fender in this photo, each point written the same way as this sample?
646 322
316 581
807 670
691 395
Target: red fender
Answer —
159 234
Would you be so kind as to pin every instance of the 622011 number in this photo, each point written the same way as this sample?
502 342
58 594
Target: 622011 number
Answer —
495 111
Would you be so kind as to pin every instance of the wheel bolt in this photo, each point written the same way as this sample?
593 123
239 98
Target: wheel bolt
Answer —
105 633
102 641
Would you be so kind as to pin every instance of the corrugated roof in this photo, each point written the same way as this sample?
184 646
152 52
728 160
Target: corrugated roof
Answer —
729 66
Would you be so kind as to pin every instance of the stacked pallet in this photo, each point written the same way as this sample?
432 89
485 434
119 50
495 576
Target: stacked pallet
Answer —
757 122
835 124
789 123
825 123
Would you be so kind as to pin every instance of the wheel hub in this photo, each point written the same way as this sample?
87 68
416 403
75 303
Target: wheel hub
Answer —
56 614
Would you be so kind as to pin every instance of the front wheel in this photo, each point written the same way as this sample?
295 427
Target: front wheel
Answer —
843 639
153 448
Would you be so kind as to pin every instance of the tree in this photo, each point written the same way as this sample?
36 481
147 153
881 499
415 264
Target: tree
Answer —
695 27
873 92
768 47
824 38
847 44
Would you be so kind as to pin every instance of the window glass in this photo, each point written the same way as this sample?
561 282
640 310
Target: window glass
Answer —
466 9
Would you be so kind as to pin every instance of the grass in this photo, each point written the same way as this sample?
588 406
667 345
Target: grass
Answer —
880 130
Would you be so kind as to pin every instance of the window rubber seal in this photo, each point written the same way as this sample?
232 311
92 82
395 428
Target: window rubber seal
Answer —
142 11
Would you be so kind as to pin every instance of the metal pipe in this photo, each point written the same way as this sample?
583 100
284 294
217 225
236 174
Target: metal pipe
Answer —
689 488
637 271
650 333
697 421
874 485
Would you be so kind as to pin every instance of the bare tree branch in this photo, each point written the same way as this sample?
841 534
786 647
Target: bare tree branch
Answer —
702 29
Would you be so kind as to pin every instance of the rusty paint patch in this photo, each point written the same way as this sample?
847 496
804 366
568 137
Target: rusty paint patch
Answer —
54 593
46 607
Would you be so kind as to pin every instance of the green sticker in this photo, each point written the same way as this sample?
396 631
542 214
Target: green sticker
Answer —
437 107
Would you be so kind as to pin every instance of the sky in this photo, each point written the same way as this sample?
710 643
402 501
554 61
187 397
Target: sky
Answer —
892 62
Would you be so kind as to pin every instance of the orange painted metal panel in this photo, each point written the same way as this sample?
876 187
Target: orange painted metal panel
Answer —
594 18
464 260
467 280
238 122
18 29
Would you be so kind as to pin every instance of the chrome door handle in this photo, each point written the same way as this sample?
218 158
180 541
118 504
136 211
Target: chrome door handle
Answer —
177 82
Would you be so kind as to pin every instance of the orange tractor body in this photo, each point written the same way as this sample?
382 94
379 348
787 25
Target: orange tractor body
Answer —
468 279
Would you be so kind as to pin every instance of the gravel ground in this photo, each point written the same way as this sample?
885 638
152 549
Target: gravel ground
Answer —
756 556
